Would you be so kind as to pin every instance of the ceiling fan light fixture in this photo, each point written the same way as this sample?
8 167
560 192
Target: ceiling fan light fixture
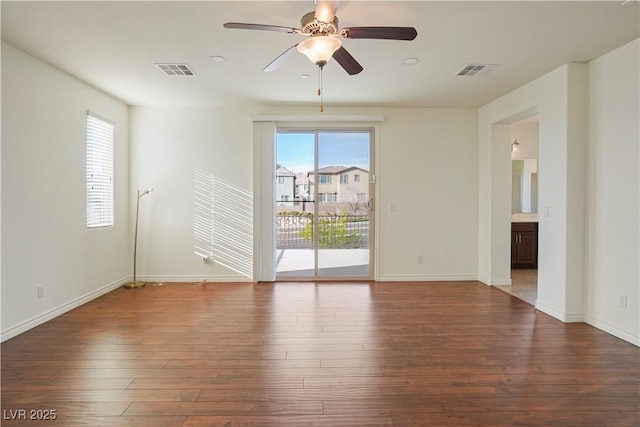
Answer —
319 49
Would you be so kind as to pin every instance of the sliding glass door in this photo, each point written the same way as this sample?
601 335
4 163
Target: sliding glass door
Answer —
324 223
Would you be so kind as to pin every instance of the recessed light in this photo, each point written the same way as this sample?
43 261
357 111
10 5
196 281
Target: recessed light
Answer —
304 76
217 58
410 61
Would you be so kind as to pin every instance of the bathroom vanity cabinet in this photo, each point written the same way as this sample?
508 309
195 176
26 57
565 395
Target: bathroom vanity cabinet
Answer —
524 245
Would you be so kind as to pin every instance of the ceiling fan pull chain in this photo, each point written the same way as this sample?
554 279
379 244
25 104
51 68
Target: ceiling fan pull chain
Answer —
320 88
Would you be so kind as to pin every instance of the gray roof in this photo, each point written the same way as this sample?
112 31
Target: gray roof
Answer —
282 171
335 170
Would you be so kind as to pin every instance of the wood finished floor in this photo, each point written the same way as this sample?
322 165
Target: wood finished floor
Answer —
524 285
326 354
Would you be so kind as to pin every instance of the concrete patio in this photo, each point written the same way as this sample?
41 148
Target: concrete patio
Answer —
348 263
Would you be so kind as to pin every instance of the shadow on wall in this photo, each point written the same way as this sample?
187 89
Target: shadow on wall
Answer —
223 223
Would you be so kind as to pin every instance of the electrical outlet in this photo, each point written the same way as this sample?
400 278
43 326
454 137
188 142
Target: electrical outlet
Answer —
420 259
622 301
40 291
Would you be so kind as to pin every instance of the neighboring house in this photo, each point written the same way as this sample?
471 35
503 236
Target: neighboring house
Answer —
302 189
341 184
285 180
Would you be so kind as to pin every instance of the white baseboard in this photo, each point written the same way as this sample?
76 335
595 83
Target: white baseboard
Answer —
488 281
574 318
561 316
427 278
610 329
484 280
506 282
55 312
196 279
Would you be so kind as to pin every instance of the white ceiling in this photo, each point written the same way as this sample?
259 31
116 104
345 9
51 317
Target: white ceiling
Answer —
114 45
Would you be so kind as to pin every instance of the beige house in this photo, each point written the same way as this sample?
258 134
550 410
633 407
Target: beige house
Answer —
301 181
341 184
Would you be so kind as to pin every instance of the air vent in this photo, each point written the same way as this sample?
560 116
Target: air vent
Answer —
176 69
476 70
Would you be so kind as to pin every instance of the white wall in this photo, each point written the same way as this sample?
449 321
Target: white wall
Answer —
613 194
426 166
588 177
528 135
444 171
45 240
560 103
187 155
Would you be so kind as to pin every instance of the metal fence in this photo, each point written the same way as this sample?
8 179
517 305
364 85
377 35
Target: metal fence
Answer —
298 231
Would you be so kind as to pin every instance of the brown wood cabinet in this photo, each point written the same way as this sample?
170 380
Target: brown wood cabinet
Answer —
524 245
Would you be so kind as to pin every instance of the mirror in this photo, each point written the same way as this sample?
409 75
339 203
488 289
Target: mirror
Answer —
525 136
524 186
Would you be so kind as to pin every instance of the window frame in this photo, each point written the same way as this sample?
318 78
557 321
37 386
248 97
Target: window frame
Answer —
99 171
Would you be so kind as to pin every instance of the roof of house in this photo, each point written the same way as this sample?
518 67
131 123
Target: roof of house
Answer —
334 170
282 171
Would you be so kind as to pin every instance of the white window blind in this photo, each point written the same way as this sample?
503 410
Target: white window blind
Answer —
99 172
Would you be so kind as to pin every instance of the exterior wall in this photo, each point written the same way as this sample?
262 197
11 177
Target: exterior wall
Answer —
345 192
303 190
326 187
284 189
348 192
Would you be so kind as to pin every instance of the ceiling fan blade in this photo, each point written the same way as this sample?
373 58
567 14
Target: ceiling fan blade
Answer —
326 10
284 56
261 27
346 61
387 33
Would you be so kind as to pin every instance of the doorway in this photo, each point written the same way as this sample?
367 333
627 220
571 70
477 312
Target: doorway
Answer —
524 209
323 202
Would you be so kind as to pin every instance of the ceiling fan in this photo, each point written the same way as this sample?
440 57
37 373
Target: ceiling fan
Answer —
323 37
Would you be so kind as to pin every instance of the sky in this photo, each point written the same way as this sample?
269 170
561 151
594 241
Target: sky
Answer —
294 150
